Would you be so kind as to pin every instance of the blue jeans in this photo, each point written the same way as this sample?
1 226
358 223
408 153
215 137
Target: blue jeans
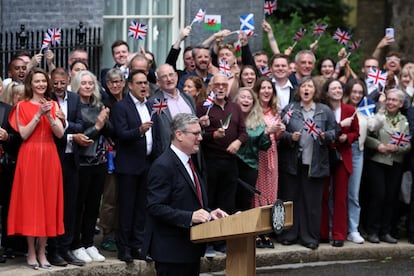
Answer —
353 188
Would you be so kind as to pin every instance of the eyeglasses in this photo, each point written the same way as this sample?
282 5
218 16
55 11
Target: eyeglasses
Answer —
392 59
195 133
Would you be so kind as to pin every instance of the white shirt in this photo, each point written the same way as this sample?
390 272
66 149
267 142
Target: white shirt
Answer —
184 158
63 104
145 117
282 93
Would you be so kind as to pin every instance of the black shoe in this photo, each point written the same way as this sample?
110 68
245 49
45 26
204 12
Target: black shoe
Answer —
125 256
2 259
267 242
311 245
373 238
388 239
259 242
337 243
287 242
9 253
56 259
138 255
71 259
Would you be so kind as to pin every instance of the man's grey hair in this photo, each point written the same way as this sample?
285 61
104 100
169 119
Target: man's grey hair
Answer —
302 52
181 121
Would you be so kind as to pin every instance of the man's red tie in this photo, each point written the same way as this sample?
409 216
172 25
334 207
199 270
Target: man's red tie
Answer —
196 182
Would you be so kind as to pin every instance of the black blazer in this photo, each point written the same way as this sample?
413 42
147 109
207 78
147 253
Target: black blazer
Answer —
11 147
131 157
171 200
75 125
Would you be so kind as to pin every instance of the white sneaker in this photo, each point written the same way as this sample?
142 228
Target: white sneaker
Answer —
355 237
81 254
94 254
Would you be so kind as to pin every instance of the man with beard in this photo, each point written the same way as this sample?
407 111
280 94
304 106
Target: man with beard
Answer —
202 60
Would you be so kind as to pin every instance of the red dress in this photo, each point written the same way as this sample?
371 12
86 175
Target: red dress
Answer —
36 204
267 179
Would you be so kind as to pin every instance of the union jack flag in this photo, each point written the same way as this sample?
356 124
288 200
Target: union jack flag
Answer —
137 30
288 115
47 40
342 37
312 128
55 35
299 34
224 68
199 16
354 45
319 29
265 71
159 106
210 100
400 139
377 77
270 7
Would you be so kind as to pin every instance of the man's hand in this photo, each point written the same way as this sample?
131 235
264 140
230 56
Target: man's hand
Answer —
145 127
234 147
204 121
82 139
200 216
218 214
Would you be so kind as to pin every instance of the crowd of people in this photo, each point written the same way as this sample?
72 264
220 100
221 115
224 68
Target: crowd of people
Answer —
147 151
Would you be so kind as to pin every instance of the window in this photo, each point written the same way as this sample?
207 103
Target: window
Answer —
163 18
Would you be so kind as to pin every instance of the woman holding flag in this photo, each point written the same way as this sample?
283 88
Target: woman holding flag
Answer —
355 95
384 167
310 128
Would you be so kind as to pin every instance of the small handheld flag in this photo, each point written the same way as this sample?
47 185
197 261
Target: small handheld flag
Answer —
226 123
212 22
288 115
247 22
137 30
55 35
198 17
159 106
319 29
312 128
400 139
342 37
224 68
377 77
269 7
366 107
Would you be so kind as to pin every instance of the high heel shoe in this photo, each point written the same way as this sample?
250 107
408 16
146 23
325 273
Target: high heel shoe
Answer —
35 266
46 266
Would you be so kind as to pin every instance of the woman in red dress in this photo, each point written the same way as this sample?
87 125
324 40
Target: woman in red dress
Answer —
36 205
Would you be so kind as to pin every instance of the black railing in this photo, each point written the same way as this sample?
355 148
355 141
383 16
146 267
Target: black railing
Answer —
88 39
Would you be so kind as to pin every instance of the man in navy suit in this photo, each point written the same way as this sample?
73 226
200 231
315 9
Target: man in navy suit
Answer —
59 251
137 147
177 200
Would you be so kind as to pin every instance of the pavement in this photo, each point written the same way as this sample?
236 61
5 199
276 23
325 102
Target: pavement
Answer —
293 254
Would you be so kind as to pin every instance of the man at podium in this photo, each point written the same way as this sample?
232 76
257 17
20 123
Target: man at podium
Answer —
177 199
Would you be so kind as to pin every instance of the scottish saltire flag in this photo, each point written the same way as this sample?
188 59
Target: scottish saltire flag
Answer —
55 35
47 40
270 6
212 22
354 45
377 77
247 22
366 107
299 34
400 139
137 30
342 37
210 100
224 68
159 106
319 29
199 16
312 128
265 71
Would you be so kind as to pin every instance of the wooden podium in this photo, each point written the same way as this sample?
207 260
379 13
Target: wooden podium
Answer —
240 231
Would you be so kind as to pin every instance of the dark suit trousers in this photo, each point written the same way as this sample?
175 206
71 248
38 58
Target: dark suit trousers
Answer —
132 204
306 194
177 269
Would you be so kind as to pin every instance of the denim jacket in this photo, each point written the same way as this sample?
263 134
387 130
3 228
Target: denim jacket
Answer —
290 151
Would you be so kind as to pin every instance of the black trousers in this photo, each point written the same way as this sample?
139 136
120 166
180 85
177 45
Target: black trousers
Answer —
70 194
132 210
175 269
384 183
91 182
306 194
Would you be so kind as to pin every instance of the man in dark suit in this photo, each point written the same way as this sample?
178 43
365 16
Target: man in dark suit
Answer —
137 147
59 252
177 200
9 145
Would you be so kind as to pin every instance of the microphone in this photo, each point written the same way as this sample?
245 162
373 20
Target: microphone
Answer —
253 190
